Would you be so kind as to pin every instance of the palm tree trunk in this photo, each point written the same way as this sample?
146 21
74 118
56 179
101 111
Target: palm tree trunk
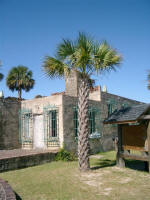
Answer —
19 93
83 143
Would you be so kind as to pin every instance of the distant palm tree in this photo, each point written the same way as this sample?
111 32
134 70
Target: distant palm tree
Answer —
148 80
87 57
1 75
19 78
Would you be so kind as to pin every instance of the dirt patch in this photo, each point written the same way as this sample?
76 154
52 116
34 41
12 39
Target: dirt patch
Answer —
125 180
107 191
96 156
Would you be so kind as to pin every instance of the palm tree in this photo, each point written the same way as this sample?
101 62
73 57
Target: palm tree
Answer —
88 57
20 78
148 80
1 75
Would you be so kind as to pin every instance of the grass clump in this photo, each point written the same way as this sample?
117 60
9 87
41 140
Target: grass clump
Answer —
64 155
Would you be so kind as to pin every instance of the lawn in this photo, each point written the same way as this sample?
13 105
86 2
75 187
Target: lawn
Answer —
62 181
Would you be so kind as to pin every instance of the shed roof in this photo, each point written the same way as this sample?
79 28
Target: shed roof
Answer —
129 114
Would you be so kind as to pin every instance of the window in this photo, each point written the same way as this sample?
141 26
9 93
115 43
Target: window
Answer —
92 122
75 119
26 127
112 106
110 109
52 123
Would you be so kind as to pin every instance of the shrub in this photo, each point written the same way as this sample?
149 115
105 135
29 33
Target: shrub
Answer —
65 155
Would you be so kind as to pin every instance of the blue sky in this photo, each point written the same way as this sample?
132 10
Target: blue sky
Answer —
31 29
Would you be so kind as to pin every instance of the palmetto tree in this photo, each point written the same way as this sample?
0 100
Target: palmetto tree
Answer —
1 75
87 57
148 80
20 78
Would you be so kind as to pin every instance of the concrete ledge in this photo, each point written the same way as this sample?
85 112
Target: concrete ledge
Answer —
6 192
28 159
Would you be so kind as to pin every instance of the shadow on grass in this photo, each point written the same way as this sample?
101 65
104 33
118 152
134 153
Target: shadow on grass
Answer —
137 165
132 164
101 163
17 196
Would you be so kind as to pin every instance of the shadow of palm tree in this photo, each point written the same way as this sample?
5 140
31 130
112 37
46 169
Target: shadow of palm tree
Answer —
101 163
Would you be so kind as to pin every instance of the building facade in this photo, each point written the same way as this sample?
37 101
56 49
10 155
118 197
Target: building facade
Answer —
52 122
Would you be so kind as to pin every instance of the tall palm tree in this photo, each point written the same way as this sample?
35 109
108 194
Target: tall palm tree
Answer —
20 78
88 57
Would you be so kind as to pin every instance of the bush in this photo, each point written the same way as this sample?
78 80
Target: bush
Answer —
65 155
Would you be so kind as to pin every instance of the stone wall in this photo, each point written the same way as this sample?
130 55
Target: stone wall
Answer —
9 123
109 131
105 142
70 142
72 83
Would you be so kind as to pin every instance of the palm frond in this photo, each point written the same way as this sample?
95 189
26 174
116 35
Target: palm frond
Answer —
65 49
148 78
1 76
106 58
84 55
54 67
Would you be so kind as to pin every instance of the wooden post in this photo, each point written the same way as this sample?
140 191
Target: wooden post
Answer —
148 141
120 161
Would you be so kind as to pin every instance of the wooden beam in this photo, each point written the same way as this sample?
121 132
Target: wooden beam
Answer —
148 141
145 117
119 160
134 157
121 122
127 147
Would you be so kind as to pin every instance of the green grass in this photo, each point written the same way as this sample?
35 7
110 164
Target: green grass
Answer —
62 181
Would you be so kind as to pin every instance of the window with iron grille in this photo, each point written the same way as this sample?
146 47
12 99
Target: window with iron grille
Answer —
110 109
92 122
26 125
112 106
76 122
52 123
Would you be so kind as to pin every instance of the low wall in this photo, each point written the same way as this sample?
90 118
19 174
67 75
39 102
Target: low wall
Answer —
12 163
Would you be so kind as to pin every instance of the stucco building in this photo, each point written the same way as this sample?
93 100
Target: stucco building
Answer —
52 122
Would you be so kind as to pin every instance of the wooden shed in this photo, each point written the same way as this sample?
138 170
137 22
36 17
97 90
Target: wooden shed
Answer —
133 133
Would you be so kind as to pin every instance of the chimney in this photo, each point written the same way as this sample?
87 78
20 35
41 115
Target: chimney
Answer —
72 83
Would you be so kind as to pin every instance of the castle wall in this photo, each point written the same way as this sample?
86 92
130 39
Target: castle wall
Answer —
9 123
105 142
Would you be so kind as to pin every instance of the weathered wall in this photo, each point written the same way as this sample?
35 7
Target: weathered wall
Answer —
109 130
37 105
9 123
104 143
95 94
13 161
72 83
70 141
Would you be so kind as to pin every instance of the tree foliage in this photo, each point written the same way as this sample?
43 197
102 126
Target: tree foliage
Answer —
20 78
84 54
1 75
